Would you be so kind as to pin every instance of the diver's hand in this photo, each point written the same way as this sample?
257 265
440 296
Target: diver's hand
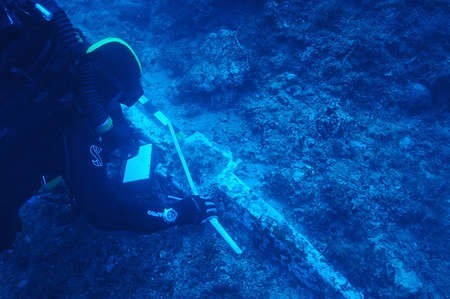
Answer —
119 140
205 208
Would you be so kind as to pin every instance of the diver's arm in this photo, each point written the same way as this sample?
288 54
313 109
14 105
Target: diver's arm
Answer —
75 46
110 204
89 99
114 210
71 38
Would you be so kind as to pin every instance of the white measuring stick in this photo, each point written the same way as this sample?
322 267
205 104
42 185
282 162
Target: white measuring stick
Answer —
221 230
214 221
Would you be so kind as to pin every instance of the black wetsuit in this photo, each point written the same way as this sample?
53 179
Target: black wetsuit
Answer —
45 82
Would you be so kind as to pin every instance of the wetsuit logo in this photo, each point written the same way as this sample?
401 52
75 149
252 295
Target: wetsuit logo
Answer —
95 153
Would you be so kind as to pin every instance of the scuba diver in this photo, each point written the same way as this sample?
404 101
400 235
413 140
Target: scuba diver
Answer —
60 114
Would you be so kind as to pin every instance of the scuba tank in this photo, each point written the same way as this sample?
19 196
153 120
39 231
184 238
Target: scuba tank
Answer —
11 11
12 14
8 19
33 68
9 24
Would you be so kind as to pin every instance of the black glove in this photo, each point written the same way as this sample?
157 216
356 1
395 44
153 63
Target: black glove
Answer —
120 140
205 208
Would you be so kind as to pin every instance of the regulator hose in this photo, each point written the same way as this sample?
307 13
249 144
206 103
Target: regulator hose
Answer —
73 41
70 37
90 99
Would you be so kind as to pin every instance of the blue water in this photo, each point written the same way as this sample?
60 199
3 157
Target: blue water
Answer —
338 113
